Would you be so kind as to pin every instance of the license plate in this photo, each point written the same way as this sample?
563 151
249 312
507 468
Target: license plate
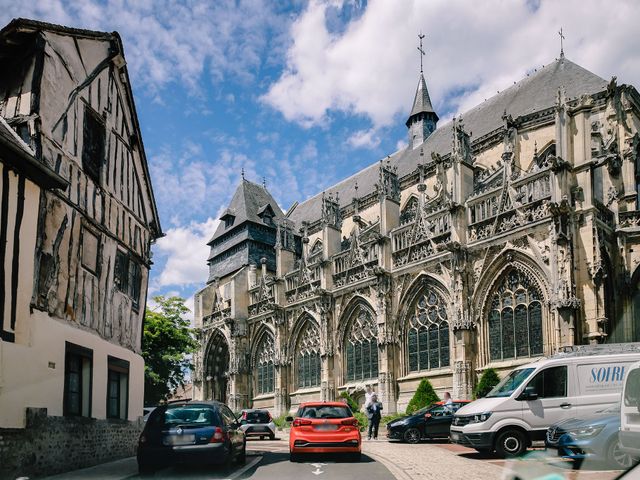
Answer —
180 440
455 436
327 427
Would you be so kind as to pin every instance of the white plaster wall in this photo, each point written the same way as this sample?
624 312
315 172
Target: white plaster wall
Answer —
28 380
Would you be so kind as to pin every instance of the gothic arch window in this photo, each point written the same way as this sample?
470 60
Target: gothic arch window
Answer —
361 346
409 211
515 317
265 369
308 357
428 335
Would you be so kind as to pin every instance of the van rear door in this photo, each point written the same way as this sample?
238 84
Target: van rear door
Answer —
556 399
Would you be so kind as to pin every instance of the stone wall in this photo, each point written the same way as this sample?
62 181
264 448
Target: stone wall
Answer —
50 445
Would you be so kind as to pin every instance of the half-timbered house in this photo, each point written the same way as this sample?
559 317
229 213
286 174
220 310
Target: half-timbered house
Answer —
78 218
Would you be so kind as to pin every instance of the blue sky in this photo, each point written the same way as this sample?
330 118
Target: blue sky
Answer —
306 93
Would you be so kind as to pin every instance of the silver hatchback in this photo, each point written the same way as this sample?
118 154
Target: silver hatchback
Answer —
258 423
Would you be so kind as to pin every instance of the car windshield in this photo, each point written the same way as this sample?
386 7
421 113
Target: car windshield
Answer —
190 415
324 411
511 382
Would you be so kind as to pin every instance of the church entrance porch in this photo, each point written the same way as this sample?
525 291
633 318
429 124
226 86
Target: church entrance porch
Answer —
216 366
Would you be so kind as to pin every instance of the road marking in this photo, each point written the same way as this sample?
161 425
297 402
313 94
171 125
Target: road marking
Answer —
317 471
244 469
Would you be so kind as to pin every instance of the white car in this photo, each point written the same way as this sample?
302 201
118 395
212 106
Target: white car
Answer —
258 423
630 412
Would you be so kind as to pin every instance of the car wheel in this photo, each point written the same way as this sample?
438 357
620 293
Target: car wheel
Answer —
412 435
617 457
261 437
511 443
272 436
242 456
294 457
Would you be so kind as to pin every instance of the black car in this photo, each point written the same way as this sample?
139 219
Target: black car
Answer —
193 432
433 421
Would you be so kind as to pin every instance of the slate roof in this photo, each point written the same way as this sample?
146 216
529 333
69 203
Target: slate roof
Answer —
248 201
422 101
535 92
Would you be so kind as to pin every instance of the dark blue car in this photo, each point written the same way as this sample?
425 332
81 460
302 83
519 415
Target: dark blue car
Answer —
593 438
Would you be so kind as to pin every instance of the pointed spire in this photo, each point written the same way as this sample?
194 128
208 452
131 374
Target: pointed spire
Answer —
421 101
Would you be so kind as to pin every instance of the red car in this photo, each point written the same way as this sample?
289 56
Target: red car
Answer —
324 427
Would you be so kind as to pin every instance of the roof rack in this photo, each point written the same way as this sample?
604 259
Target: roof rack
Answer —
599 349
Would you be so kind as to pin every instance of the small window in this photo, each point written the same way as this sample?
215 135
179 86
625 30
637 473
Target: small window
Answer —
128 276
117 388
77 380
632 389
90 244
551 382
93 142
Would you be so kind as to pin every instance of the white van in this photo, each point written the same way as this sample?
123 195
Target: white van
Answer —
630 412
571 384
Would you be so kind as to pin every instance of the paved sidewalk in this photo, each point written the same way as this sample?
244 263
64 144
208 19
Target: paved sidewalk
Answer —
115 470
428 461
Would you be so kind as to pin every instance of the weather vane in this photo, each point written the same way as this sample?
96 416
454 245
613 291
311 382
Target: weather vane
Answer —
421 36
561 43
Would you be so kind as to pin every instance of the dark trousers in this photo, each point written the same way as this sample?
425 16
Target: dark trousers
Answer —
374 422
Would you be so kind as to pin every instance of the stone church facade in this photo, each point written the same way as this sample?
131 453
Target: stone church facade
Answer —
497 238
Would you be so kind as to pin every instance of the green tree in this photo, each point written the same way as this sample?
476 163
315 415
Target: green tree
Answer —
167 344
425 395
350 401
488 380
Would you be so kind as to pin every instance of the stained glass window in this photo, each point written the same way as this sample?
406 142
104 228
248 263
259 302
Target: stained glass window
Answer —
428 335
308 357
515 318
361 346
265 365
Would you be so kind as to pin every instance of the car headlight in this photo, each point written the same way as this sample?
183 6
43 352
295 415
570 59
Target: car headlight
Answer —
586 432
480 417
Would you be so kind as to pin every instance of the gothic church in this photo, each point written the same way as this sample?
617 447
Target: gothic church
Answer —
457 253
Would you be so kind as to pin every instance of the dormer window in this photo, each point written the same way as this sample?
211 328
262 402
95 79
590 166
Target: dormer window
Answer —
228 218
266 213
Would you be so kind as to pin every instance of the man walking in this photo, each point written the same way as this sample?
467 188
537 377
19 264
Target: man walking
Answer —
373 414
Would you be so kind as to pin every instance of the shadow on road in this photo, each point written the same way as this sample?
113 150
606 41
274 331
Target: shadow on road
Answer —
277 457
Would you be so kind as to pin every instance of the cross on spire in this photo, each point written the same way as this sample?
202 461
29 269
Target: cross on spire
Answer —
421 50
242 173
561 43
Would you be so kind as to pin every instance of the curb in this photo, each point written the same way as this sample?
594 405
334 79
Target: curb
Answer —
396 471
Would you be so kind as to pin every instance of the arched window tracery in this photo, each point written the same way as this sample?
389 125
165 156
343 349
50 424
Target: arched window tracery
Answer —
308 357
265 355
361 346
409 212
515 317
428 335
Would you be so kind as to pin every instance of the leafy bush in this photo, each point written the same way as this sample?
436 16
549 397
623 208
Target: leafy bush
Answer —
488 380
425 395
363 421
391 417
280 421
353 405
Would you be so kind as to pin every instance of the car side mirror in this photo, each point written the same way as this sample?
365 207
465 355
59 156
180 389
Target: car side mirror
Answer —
289 419
529 393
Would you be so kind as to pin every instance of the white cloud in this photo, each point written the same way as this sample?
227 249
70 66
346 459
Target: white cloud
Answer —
185 250
364 139
167 40
370 67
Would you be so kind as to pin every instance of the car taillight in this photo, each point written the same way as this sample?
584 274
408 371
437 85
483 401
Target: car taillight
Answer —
218 436
350 421
270 417
298 422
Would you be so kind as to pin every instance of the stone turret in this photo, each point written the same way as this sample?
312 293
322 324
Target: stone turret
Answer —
423 119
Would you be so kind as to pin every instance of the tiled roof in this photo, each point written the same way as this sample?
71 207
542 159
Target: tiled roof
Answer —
533 93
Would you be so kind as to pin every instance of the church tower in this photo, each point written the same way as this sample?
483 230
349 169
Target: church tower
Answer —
423 119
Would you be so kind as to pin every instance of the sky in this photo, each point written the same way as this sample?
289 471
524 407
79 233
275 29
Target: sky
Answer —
301 94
